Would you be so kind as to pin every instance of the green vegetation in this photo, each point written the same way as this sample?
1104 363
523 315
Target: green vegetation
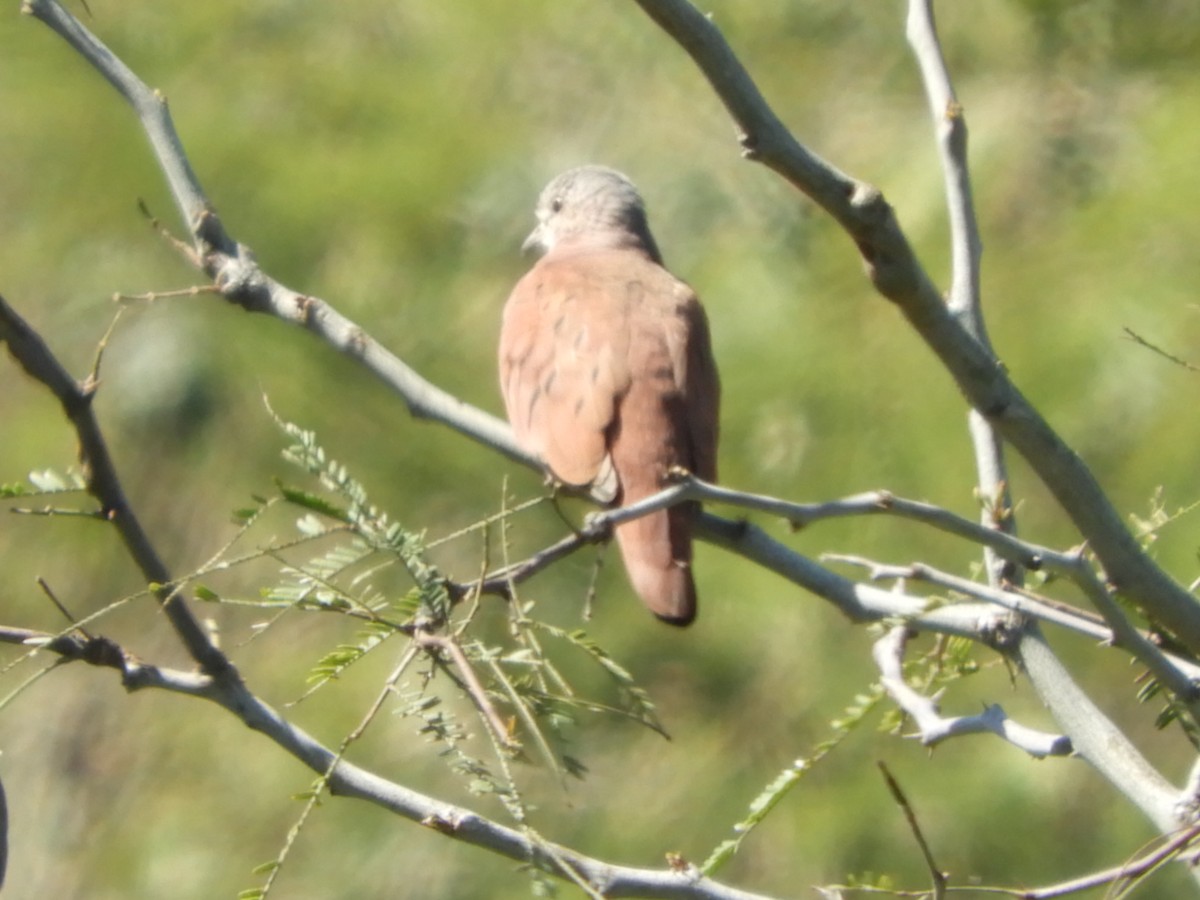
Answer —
386 157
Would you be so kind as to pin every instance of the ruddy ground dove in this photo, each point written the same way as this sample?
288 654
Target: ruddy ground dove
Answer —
607 372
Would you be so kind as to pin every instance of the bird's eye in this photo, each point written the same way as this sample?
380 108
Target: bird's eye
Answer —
556 204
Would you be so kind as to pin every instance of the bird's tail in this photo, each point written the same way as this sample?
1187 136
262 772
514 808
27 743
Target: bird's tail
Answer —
657 550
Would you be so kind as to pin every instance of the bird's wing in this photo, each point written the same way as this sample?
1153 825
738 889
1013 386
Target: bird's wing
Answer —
563 364
675 355
666 418
702 388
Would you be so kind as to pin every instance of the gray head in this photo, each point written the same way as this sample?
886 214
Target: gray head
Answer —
591 205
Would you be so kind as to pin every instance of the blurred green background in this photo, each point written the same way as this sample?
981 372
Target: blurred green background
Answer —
386 157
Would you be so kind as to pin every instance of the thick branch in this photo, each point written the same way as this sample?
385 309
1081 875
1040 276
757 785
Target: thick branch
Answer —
1095 737
349 780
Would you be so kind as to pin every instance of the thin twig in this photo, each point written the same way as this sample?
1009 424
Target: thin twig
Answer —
1177 673
470 681
58 604
1125 872
966 249
1170 357
935 873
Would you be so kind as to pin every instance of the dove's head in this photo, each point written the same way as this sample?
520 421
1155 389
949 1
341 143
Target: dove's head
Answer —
591 205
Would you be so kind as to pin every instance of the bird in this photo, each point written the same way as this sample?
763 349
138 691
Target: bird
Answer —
608 375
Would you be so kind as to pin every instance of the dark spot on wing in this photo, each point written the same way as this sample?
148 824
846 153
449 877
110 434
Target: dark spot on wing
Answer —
534 397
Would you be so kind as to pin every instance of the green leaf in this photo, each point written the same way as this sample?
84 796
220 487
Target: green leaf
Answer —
310 501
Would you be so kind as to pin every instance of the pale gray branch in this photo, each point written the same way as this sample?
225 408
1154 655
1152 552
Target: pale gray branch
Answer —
859 602
951 131
1176 672
955 337
1177 676
1095 737
103 483
1118 875
236 273
933 727
966 249
897 274
801 515
349 780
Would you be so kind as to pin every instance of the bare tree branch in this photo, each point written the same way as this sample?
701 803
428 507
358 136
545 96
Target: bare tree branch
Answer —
926 715
1129 871
1097 739
1153 348
953 330
951 129
350 780
234 270
966 249
897 274
802 515
32 354
1177 673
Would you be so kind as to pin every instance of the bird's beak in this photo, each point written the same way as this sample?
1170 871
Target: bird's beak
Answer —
536 242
